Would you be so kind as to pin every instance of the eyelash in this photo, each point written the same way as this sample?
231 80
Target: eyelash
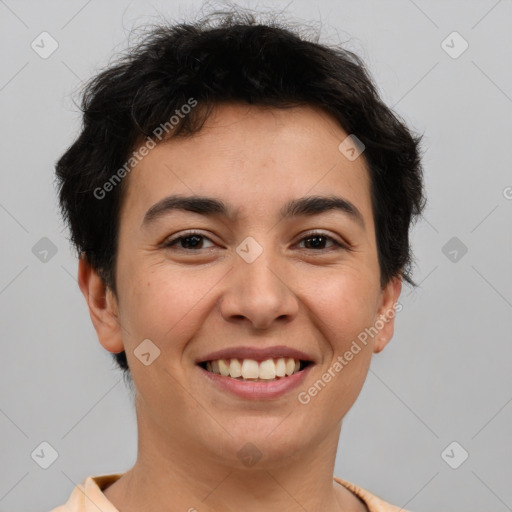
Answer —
190 234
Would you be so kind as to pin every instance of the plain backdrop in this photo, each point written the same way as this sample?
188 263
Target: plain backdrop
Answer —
446 376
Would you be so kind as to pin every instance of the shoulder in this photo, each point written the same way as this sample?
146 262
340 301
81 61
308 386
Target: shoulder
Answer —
373 503
88 496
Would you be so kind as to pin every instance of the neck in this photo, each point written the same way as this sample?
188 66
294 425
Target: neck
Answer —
174 470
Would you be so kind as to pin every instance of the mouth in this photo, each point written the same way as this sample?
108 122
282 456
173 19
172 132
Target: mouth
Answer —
252 370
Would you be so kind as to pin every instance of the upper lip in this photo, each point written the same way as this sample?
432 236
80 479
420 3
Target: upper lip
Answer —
256 353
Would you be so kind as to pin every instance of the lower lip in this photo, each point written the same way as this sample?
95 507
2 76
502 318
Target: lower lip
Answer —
257 390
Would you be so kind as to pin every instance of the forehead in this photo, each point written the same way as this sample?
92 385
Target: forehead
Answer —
254 158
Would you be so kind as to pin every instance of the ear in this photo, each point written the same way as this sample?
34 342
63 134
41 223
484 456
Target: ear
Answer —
387 311
102 307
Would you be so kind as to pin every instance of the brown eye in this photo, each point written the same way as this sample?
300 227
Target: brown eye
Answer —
318 241
192 241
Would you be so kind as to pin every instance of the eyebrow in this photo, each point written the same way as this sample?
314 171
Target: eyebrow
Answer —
208 206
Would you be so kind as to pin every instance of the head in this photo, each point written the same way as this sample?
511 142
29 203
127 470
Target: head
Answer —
216 200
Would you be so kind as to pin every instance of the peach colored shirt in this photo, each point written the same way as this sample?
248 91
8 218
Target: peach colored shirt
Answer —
88 497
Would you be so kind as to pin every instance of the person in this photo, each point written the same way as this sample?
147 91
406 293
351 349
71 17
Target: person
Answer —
240 199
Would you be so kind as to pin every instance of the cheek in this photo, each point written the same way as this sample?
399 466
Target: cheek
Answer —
345 303
164 304
348 307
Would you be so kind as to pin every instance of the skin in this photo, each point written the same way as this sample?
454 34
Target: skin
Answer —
191 303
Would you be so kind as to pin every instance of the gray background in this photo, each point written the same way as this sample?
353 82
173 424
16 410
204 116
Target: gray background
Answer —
446 375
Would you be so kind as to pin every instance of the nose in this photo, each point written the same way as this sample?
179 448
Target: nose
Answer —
259 293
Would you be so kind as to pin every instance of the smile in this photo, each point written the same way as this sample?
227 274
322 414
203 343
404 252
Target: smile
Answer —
251 370
253 380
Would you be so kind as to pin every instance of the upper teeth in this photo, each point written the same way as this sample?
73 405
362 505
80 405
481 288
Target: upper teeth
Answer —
251 369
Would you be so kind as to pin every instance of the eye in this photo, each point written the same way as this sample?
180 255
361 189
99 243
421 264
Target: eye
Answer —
194 241
318 241
189 241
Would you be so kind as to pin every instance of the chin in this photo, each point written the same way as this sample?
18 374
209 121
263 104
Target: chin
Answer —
264 443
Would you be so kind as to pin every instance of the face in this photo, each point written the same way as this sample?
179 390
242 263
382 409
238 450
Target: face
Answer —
250 269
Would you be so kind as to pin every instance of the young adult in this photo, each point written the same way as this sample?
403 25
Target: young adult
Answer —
241 200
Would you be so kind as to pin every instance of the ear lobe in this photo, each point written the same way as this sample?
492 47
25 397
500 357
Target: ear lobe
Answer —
102 305
386 313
